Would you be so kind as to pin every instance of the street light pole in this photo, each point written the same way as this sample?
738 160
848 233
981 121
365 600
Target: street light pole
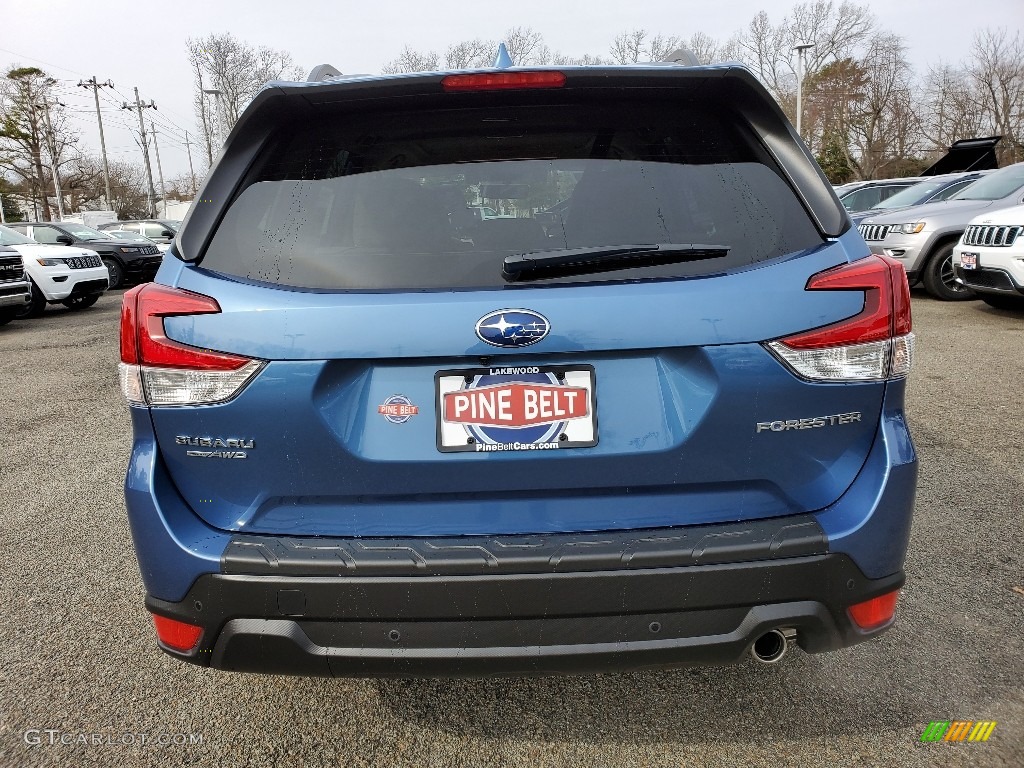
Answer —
219 132
800 67
159 168
191 170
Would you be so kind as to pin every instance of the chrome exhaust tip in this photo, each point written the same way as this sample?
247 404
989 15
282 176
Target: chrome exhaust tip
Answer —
770 647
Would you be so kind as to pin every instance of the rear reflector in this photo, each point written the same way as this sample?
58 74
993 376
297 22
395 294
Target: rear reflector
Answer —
175 634
501 81
156 370
874 345
876 612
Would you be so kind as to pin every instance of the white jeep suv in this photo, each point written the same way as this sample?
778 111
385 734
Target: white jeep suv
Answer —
74 277
989 258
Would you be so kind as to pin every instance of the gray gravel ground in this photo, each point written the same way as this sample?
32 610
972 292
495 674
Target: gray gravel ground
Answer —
79 656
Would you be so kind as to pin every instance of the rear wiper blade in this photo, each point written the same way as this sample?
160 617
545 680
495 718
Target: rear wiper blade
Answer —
537 265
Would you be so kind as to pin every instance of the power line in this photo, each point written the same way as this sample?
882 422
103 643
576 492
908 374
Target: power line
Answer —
40 61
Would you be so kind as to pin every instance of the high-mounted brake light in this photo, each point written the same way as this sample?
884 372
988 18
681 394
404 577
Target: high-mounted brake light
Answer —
175 634
156 370
501 81
873 345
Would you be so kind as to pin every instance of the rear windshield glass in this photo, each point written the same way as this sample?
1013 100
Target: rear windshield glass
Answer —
996 186
438 199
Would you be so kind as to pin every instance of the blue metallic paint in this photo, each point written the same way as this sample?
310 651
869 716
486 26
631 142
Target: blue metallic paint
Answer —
677 429
280 324
887 487
681 381
871 522
173 545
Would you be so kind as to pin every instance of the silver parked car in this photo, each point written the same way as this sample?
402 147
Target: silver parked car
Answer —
922 237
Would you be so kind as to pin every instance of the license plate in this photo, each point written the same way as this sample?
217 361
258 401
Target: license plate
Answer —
968 260
516 408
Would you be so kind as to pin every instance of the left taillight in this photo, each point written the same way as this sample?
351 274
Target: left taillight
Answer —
876 344
159 371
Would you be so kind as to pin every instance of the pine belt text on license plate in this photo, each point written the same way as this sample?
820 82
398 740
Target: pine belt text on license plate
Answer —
516 408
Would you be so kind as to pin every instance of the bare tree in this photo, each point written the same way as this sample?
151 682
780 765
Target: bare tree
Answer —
129 189
763 47
586 60
82 180
628 47
180 187
997 71
883 127
639 45
470 54
412 61
238 70
831 97
837 31
705 48
526 46
950 108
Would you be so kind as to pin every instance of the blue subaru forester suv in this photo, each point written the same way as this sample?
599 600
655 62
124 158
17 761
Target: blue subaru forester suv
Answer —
647 411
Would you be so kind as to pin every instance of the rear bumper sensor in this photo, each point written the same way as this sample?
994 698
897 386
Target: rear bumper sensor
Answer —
768 539
521 623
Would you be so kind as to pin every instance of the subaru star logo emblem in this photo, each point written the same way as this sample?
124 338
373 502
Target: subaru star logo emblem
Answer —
512 328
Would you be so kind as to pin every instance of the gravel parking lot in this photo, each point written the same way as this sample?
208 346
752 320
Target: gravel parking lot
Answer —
80 662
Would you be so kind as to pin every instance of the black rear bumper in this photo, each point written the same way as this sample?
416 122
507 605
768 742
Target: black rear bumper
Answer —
522 605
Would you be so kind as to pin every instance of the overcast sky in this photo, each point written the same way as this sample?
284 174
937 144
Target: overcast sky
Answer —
144 44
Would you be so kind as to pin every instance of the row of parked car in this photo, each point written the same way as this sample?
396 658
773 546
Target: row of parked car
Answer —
957 234
68 263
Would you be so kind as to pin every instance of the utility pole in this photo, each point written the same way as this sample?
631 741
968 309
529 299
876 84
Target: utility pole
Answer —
159 168
91 83
191 171
52 142
139 106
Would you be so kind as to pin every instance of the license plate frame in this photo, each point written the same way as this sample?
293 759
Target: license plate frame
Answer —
550 433
968 260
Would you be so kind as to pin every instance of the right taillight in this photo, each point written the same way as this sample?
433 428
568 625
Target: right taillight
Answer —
876 612
874 345
176 634
156 370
